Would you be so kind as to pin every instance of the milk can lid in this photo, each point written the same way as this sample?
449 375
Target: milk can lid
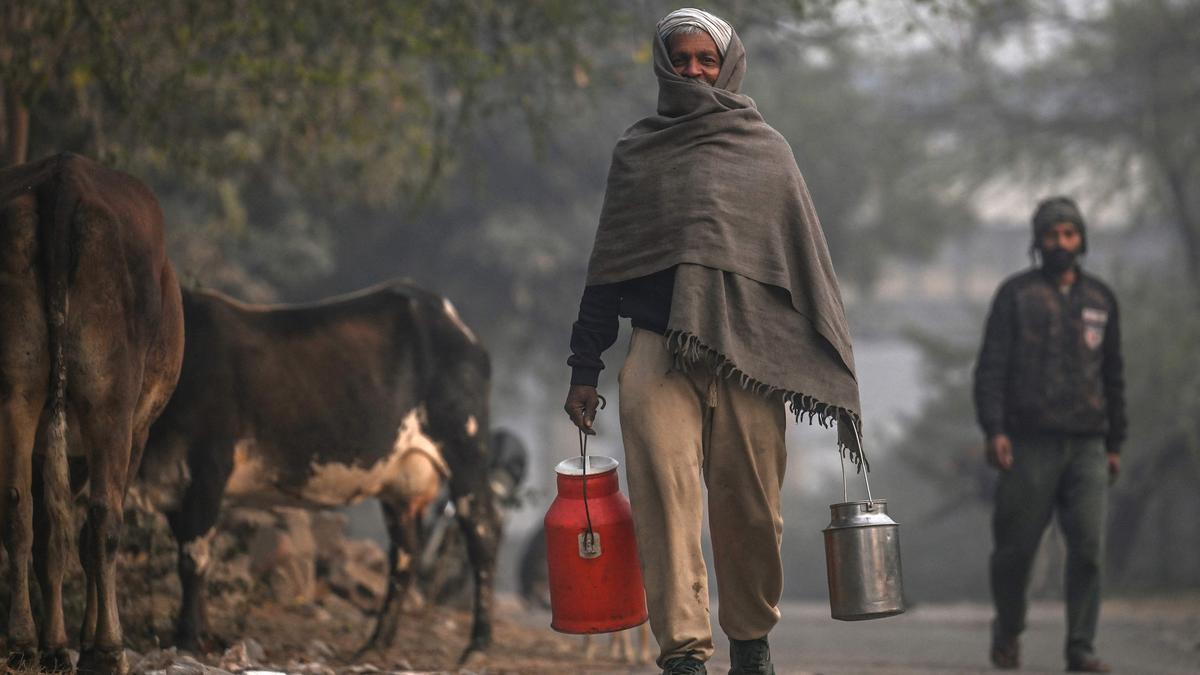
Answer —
595 464
860 514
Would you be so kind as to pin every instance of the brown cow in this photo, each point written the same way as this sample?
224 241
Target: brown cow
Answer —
91 341
379 394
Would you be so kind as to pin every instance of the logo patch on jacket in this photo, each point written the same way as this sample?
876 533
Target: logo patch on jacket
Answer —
1094 321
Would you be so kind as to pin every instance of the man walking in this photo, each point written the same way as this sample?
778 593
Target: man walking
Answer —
1049 394
709 243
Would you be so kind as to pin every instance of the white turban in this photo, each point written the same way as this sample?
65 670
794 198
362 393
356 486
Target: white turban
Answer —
716 27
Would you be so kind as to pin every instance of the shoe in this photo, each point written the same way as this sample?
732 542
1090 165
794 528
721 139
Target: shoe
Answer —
1088 664
1006 653
750 657
684 665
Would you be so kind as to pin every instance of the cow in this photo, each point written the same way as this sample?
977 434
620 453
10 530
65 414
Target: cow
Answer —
91 341
381 393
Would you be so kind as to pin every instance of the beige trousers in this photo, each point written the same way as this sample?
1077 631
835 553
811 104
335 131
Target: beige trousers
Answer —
678 427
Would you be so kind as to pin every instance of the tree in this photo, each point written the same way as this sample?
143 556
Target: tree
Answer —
252 117
1105 101
869 154
260 124
1116 96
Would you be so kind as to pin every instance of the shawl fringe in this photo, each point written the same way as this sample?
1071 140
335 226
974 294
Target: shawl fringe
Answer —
688 350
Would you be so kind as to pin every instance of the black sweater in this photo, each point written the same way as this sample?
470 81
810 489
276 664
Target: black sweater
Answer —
645 300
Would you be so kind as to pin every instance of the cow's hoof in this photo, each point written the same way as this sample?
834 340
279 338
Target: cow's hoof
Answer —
187 644
472 658
200 645
103 662
374 644
475 651
22 659
361 652
57 660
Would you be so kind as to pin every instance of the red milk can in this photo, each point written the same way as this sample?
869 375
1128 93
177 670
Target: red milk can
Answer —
595 577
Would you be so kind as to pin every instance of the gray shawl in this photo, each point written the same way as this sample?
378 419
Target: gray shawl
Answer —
707 186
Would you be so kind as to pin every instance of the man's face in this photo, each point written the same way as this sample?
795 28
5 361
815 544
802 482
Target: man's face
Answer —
695 56
1063 236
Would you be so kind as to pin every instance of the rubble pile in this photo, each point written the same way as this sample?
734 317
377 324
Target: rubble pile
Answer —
289 592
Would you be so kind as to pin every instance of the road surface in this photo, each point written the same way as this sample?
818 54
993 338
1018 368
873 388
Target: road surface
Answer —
1144 637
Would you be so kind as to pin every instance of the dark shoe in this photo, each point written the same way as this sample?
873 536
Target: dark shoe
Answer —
1006 653
750 657
684 665
1088 664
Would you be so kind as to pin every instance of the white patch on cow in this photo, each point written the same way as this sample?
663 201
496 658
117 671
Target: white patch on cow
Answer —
137 498
161 486
200 550
453 314
462 505
472 426
250 475
414 467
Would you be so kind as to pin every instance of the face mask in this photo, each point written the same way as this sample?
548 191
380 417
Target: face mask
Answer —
1057 261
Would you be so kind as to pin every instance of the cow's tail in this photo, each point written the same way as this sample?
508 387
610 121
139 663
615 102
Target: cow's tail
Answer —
57 230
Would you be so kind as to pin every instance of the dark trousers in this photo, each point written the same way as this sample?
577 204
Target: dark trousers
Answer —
1051 474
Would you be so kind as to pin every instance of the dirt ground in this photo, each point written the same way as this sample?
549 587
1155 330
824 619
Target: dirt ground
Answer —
323 638
269 617
280 602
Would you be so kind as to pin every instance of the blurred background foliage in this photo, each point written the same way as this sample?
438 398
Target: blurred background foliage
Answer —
302 149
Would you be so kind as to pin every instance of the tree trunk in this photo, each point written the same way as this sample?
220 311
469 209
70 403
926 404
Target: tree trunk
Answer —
1189 223
3 124
16 130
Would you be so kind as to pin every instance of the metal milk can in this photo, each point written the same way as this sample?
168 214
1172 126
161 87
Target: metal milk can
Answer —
862 559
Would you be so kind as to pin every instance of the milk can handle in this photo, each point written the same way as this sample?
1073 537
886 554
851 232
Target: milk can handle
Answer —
842 458
591 535
587 513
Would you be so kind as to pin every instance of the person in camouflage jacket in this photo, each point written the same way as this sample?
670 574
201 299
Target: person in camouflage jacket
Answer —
1049 395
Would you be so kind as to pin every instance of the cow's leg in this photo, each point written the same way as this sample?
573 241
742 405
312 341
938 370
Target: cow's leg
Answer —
458 417
480 523
624 644
194 525
24 381
18 427
108 438
644 638
403 547
87 631
192 630
49 564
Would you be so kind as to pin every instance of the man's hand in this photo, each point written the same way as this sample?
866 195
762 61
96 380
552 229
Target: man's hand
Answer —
999 452
1114 467
581 405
